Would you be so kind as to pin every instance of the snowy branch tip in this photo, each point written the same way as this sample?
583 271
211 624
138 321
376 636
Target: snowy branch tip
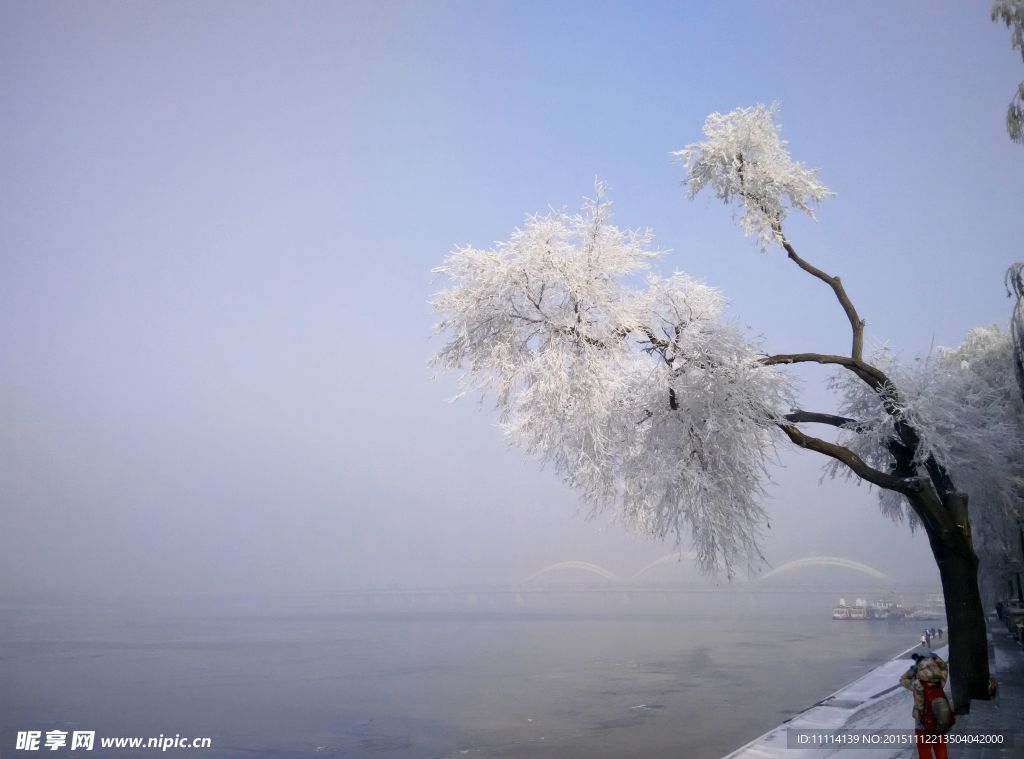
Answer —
745 159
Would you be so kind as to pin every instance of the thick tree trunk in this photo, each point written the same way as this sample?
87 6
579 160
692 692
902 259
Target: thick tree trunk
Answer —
965 615
1020 586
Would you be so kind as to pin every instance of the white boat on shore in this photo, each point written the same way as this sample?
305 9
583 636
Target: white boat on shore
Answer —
858 611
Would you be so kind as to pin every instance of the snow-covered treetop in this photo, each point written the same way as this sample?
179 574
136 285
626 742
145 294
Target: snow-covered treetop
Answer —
745 159
646 399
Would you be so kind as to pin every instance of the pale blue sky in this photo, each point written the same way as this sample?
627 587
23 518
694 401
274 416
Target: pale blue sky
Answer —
217 223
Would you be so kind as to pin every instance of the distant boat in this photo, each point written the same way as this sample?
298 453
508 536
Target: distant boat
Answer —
860 610
926 615
881 609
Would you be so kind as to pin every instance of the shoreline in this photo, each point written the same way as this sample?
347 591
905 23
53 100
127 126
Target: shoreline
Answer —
874 701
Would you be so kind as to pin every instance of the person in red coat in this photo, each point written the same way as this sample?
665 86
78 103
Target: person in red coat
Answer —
933 716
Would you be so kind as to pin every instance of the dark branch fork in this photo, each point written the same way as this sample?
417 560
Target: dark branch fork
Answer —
932 512
905 485
931 504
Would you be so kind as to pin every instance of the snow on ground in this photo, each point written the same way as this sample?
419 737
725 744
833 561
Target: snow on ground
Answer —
874 702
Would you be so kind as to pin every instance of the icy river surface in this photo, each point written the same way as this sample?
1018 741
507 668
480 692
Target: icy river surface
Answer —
684 679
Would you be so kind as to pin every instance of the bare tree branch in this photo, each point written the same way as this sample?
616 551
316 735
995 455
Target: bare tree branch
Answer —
904 448
874 377
798 416
856 323
905 485
932 508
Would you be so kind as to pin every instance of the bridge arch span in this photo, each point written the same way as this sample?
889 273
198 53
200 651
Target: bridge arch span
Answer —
585 566
825 561
673 558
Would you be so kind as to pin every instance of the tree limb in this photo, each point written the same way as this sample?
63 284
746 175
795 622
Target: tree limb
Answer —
919 491
904 449
875 378
652 339
798 416
856 323
904 485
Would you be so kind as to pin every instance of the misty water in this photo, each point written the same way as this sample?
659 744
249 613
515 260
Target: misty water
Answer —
451 676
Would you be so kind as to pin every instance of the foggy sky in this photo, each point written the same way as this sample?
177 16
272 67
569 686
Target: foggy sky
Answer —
217 224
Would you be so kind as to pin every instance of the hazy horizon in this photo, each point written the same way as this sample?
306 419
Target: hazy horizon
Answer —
219 222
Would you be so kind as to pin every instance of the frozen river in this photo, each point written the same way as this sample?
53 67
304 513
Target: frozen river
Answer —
697 681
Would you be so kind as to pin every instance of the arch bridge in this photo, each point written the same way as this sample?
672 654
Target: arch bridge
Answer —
689 556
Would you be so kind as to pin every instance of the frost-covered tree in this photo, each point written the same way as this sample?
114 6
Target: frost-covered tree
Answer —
1015 287
1011 12
966 407
646 398
986 440
977 423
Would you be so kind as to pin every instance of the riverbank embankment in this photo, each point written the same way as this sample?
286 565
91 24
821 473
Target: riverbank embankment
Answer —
876 705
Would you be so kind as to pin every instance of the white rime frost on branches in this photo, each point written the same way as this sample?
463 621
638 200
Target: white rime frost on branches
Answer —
646 399
745 158
966 407
1011 13
1015 286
